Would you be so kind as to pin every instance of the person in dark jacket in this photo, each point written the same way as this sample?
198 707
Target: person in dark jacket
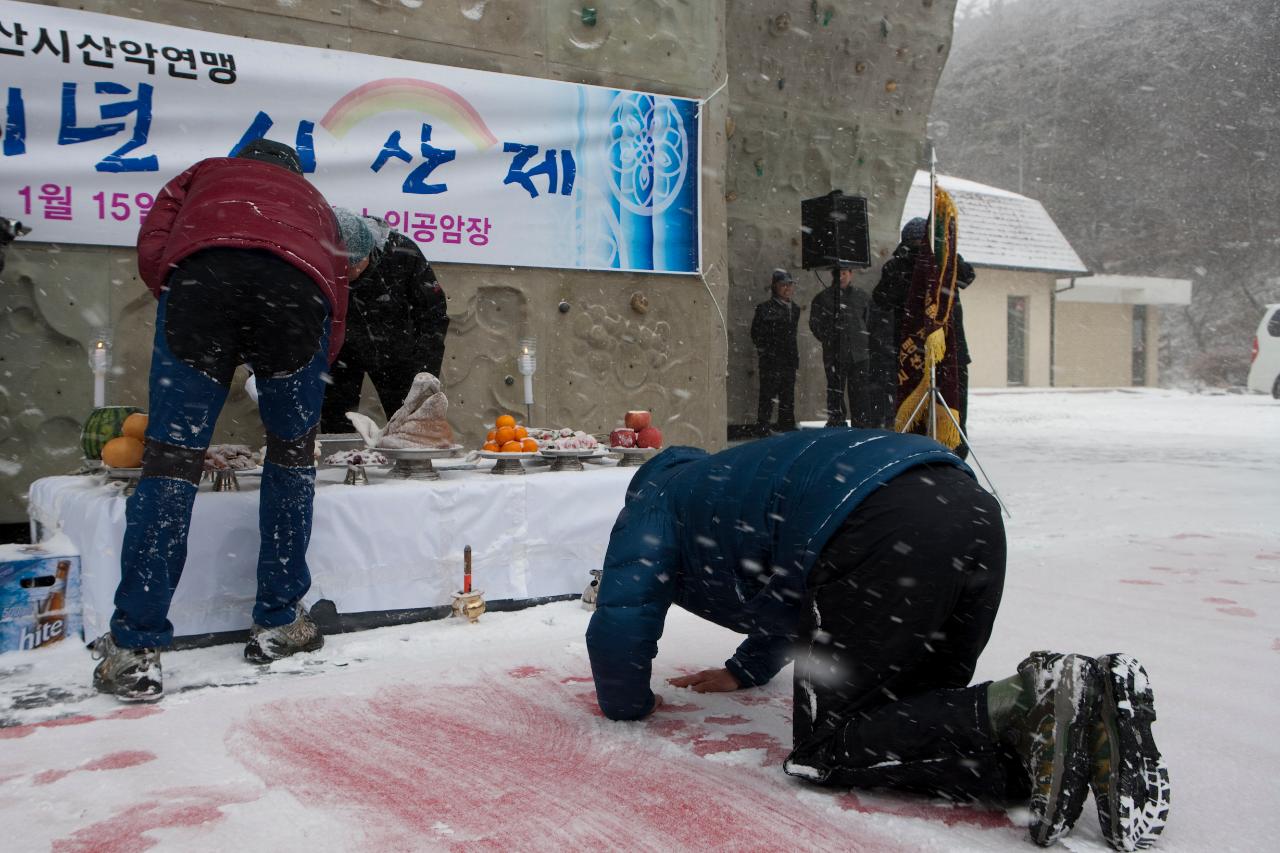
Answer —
247 263
838 319
877 562
773 331
396 326
885 316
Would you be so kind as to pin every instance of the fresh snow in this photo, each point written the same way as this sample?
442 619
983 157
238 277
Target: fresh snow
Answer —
1142 521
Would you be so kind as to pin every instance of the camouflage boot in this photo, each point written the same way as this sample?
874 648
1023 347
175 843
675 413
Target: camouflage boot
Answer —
131 675
268 644
1130 781
1052 739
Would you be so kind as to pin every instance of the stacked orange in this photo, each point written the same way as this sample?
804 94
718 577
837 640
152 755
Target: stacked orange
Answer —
509 437
125 451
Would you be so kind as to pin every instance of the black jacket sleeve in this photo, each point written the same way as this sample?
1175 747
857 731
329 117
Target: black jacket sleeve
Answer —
428 313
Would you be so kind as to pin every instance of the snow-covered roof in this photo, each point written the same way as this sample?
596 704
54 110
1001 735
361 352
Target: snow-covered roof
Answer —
1127 290
999 228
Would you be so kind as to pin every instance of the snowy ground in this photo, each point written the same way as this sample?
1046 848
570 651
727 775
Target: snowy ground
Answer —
1142 521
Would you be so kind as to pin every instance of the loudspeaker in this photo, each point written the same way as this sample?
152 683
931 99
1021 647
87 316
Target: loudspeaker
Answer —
834 231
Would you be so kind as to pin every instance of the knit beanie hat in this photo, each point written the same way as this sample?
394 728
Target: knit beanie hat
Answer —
914 231
276 153
355 233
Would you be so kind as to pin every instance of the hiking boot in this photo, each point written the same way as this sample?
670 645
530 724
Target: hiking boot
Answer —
268 644
1130 782
131 675
1052 739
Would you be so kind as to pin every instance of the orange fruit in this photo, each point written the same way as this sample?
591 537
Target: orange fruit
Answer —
521 433
512 447
530 445
490 446
122 452
505 434
135 426
504 421
492 436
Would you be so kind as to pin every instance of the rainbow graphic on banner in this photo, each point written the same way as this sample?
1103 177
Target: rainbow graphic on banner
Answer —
406 93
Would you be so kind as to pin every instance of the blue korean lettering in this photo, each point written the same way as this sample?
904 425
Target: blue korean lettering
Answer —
416 182
70 133
304 142
517 173
15 124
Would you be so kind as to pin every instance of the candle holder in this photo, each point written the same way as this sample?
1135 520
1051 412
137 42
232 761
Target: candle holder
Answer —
591 594
469 604
527 362
224 480
100 363
356 476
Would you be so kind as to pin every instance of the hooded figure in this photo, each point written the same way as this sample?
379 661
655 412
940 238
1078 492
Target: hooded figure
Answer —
396 324
884 321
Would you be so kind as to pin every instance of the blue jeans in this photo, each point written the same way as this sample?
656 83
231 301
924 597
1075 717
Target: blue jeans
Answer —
219 295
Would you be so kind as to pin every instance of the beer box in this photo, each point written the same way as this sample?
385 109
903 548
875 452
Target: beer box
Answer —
39 595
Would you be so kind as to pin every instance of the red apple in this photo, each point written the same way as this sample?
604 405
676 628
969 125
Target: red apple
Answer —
649 437
638 420
622 438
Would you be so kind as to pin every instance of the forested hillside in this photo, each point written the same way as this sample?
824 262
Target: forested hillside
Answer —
1150 129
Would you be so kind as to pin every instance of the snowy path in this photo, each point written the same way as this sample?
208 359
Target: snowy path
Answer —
1144 522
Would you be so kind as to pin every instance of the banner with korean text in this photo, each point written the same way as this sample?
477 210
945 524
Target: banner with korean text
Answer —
98 112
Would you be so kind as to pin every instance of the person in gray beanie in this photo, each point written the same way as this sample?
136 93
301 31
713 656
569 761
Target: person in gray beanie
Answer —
396 322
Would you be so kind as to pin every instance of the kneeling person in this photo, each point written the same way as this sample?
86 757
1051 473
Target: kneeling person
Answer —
878 562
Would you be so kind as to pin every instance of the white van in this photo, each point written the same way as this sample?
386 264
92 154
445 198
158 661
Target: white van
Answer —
1264 373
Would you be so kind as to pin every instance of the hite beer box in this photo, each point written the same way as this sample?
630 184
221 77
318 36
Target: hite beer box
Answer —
39 595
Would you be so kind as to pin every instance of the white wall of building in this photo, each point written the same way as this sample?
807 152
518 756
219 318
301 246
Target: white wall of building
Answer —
986 309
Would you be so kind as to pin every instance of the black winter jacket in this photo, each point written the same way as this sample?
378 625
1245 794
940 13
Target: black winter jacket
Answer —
397 313
773 331
845 332
884 321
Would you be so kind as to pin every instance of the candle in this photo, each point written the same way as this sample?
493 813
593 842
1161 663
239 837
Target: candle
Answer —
466 569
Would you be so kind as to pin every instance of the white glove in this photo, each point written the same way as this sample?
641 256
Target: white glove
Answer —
251 387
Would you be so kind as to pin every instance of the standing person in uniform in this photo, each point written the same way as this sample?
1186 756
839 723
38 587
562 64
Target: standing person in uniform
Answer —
773 331
396 324
838 319
877 562
248 265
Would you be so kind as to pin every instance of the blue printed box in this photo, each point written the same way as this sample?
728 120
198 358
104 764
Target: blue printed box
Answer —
39 595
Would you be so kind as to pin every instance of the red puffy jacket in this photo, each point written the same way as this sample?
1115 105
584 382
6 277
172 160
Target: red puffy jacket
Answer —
227 202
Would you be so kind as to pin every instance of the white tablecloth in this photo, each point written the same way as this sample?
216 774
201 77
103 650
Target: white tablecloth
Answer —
392 545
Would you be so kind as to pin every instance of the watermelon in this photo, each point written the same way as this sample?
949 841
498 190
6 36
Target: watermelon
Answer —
101 426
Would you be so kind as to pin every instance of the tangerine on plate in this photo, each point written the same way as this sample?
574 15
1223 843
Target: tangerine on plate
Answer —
492 436
505 434
530 445
504 421
512 447
491 447
135 426
521 433
122 452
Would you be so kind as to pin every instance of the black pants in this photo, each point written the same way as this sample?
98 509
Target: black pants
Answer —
779 383
853 381
392 382
902 601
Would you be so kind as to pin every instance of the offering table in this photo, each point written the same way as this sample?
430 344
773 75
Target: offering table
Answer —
395 545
